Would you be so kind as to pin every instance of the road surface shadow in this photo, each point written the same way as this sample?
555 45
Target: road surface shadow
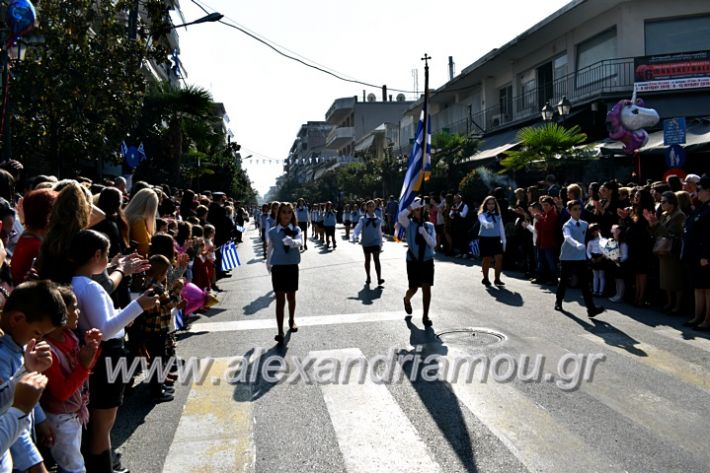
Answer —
255 384
261 302
366 295
506 296
437 396
611 335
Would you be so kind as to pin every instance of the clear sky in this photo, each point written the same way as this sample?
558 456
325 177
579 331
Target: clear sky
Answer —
268 97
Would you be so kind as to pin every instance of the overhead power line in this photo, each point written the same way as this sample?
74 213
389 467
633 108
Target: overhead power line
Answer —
269 44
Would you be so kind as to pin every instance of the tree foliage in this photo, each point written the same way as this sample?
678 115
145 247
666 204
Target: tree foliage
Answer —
78 91
545 146
186 142
449 153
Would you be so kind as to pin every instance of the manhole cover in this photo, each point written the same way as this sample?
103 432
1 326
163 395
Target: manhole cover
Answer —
475 337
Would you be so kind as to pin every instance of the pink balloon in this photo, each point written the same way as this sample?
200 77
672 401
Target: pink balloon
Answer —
194 296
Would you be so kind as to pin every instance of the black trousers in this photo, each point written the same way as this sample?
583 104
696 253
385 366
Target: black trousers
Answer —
581 270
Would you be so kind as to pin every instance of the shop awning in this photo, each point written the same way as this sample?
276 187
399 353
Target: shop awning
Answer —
365 143
494 145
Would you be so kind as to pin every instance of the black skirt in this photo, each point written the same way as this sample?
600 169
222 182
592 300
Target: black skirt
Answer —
490 246
420 274
371 249
105 393
284 278
700 276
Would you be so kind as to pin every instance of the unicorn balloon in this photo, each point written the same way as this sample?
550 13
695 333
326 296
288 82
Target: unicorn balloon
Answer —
626 122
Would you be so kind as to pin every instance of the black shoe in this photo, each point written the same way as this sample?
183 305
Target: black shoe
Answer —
407 307
279 339
163 397
486 282
595 311
367 281
690 324
498 282
380 282
558 306
427 322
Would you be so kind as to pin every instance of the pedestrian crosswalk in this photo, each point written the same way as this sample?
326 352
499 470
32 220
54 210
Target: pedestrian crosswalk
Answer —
376 433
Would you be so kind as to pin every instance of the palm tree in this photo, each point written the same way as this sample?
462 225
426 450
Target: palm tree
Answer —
177 122
547 145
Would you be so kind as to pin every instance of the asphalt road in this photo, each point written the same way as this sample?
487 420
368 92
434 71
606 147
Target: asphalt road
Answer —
642 405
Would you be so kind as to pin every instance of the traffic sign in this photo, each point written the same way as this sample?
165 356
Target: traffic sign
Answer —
675 156
674 131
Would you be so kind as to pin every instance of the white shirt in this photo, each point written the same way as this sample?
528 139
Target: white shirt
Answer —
97 309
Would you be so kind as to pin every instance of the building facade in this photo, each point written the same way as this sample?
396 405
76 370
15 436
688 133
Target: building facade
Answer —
587 52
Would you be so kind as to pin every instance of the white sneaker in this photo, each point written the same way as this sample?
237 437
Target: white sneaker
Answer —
615 299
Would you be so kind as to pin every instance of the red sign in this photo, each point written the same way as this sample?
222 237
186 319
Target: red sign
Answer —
673 71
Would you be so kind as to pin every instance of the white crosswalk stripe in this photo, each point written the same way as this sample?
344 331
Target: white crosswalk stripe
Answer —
375 434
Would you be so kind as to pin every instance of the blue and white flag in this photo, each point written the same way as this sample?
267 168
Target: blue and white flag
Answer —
179 319
418 168
239 228
230 258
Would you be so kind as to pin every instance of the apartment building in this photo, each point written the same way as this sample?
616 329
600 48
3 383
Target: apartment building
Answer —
588 52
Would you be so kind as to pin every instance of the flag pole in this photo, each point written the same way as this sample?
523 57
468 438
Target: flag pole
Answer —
425 137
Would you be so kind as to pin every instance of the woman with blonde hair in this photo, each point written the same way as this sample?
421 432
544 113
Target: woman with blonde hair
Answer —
491 239
141 213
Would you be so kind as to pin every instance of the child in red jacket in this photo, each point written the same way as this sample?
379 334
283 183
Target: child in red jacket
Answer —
67 394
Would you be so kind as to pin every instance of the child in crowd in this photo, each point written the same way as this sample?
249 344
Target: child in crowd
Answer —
617 252
210 255
155 324
161 225
33 310
595 256
67 396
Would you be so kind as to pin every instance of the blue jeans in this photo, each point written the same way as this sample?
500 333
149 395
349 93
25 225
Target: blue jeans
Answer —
546 263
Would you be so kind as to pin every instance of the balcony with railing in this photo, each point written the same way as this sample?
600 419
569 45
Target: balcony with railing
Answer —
340 136
610 77
340 109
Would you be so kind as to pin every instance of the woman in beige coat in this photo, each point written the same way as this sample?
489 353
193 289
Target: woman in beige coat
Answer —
670 226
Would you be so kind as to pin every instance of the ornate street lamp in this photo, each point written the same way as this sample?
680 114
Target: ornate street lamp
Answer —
564 107
548 112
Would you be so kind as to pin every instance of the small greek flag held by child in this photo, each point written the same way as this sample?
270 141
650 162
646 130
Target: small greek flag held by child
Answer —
179 320
475 250
230 258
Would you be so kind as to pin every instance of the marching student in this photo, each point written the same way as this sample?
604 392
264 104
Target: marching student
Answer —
347 220
370 226
378 209
262 224
598 262
573 259
491 239
269 222
329 221
314 221
354 213
284 240
421 240
302 214
321 228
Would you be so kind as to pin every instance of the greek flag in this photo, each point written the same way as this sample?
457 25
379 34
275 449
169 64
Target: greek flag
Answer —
230 258
179 319
418 167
